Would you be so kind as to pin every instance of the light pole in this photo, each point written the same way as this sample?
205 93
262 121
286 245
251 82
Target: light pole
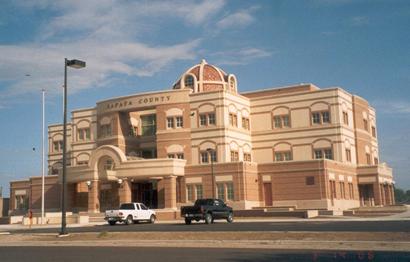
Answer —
74 64
42 156
210 153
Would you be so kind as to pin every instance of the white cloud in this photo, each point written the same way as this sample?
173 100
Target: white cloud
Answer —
106 34
240 56
392 107
239 19
358 21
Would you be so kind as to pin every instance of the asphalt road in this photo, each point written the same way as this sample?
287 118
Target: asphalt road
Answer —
45 254
318 226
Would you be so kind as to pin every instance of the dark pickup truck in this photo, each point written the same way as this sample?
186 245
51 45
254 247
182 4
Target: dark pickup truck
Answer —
208 210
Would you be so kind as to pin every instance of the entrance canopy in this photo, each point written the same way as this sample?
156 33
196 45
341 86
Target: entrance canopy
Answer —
110 163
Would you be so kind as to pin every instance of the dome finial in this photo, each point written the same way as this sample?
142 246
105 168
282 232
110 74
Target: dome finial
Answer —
203 61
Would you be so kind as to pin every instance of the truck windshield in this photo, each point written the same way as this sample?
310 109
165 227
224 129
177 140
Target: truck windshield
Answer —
203 202
127 206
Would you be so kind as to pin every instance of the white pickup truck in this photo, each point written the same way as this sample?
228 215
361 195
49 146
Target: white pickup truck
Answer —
130 213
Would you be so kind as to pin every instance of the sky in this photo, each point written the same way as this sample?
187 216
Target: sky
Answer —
139 46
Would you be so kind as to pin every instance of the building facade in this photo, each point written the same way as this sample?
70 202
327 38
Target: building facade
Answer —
297 146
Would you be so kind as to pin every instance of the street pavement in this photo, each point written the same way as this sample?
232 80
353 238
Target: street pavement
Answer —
45 254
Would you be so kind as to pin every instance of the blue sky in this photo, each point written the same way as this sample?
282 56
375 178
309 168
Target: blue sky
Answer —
138 46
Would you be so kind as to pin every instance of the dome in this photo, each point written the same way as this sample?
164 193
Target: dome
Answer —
204 77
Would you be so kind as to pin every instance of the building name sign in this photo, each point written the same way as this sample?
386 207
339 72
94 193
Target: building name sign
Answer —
137 101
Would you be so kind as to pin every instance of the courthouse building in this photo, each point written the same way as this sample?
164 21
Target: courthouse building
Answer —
298 146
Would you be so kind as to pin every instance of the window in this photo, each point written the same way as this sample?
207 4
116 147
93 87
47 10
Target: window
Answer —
365 125
373 131
351 192
82 163
189 81
281 121
233 120
21 202
180 155
232 84
342 189
328 154
207 119
376 161
234 156
278 121
199 192
229 191
321 117
316 118
310 180
202 120
171 155
204 157
148 126
325 117
247 157
58 146
133 131
323 153
283 156
368 159
170 122
179 121
84 134
190 193
221 191
348 155
109 164
245 123
211 119
345 118
213 156
106 130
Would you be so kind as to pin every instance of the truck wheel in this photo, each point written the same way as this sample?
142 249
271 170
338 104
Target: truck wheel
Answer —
187 221
112 223
230 218
129 220
208 218
152 219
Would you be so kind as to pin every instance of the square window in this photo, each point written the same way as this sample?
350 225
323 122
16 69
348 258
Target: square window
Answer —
318 154
202 120
180 156
328 154
316 118
199 192
310 180
221 191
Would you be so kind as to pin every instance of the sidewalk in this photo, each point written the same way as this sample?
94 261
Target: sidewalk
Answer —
398 217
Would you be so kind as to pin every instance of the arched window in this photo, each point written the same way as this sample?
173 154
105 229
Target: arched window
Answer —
232 84
189 81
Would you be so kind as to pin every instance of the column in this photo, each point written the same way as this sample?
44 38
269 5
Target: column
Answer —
170 192
93 197
393 200
125 191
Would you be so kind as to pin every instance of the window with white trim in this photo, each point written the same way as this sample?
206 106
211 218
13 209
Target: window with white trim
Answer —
207 119
58 146
283 156
234 156
281 121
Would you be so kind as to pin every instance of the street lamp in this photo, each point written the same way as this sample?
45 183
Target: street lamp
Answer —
210 153
74 64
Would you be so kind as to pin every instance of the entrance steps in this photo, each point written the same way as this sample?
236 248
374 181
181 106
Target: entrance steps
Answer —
96 217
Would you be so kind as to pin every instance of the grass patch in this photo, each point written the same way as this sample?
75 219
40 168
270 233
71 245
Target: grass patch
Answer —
103 234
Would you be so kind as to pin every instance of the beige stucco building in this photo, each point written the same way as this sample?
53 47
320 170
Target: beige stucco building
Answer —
298 146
